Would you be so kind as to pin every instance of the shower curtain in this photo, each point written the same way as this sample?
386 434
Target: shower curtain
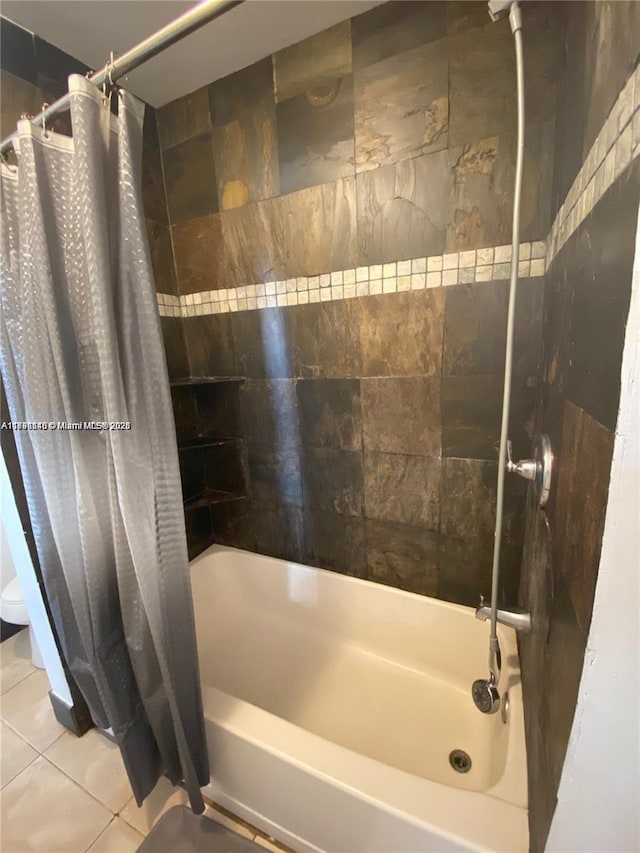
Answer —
82 359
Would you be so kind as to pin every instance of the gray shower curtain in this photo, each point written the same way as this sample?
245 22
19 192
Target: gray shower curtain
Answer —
80 343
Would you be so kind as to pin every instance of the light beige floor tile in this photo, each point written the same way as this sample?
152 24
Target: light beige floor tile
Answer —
15 754
94 762
15 660
118 837
27 709
163 797
227 822
43 810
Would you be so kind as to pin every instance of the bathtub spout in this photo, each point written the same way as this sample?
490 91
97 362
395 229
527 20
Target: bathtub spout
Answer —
518 619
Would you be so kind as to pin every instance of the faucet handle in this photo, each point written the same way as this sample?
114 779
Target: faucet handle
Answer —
509 456
481 601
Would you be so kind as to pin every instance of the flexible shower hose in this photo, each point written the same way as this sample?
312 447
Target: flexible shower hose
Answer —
515 19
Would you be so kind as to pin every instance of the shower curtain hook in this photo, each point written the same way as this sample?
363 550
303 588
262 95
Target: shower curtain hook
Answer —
45 132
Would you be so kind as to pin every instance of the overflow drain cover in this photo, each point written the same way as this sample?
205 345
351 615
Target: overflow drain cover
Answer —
460 761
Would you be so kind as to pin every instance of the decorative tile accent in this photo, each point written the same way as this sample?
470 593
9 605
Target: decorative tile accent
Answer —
469 267
612 151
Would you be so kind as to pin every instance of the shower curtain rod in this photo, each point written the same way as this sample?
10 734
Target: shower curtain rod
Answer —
199 15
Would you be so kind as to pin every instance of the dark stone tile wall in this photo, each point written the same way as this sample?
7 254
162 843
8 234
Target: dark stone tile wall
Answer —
380 139
346 464
586 302
386 137
598 51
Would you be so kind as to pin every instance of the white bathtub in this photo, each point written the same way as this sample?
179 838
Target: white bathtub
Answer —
332 705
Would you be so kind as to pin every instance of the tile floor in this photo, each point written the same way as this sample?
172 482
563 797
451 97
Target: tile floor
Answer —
63 793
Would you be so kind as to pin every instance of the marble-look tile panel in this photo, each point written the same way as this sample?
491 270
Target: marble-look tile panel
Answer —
54 67
465 15
159 237
599 259
210 346
475 328
468 501
319 229
190 178
402 415
263 344
218 409
325 341
226 467
549 713
232 524
256 242
313 61
332 480
481 189
402 556
245 141
401 488
279 530
184 118
336 542
274 474
69 818
330 413
394 28
401 335
402 106
580 506
18 97
185 416
153 198
465 571
270 412
175 347
199 254
482 79
192 474
606 70
18 52
315 135
402 209
471 410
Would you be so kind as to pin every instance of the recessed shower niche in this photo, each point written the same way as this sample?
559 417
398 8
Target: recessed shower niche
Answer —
211 452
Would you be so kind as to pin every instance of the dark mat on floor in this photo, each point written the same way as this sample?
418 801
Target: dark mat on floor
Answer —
181 831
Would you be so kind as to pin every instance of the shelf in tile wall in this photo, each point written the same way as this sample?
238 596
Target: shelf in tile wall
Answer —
207 441
204 380
210 497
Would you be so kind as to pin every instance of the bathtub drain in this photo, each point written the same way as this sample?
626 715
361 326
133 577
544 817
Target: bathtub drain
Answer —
460 761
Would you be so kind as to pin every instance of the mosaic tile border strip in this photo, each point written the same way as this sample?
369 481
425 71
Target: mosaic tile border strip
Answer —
617 144
470 267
